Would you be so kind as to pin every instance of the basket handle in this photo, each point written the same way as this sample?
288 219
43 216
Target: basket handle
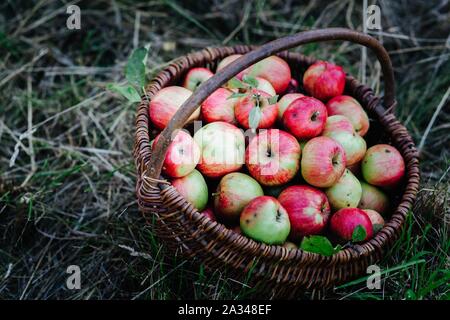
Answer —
205 89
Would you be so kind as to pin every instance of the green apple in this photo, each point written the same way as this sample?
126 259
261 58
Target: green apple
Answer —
345 193
373 198
193 188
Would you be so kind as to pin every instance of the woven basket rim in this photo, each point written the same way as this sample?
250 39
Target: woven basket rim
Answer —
401 139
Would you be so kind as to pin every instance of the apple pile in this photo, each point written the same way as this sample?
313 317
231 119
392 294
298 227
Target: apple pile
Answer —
277 162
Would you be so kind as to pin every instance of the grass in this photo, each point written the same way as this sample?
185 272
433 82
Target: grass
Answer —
66 168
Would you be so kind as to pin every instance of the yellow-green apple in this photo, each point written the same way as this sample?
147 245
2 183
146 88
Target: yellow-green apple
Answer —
182 155
272 157
193 188
324 80
285 101
345 193
383 166
195 77
305 118
234 192
350 108
308 210
208 212
344 222
323 162
290 245
256 99
273 69
376 219
222 147
265 220
373 198
264 85
219 106
354 145
165 104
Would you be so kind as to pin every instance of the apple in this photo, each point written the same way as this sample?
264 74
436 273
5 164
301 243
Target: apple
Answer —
344 222
324 80
376 219
193 188
208 212
323 162
337 123
219 107
292 87
222 147
226 61
265 220
256 99
182 155
272 157
308 210
345 193
195 77
354 145
290 245
273 69
165 104
383 166
373 198
351 109
305 117
285 101
234 192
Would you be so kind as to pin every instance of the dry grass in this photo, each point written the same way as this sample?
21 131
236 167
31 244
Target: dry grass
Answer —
66 169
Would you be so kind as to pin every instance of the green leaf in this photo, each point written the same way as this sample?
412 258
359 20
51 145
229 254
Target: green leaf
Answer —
127 91
135 69
251 81
236 95
273 100
254 117
320 245
359 234
235 83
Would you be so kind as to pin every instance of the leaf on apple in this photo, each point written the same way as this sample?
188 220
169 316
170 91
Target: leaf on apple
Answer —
359 234
128 91
320 245
235 83
254 117
135 68
273 100
251 81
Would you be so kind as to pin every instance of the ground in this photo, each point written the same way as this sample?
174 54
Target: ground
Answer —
67 176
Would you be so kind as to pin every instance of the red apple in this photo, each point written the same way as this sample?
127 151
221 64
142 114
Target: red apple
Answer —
324 80
234 192
292 87
373 198
383 166
376 219
219 107
272 157
308 210
165 104
351 109
323 162
305 118
344 222
222 148
275 70
256 99
182 155
195 77
354 145
285 101
265 220
193 188
209 213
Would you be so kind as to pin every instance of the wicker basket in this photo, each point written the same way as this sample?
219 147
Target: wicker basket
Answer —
273 269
